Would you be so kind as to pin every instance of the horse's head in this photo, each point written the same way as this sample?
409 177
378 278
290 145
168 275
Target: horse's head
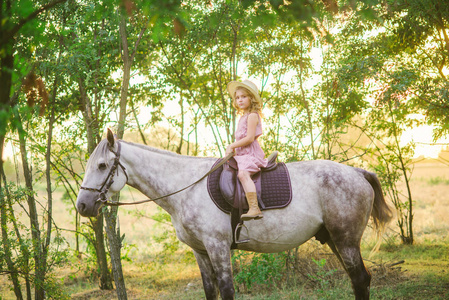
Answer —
104 176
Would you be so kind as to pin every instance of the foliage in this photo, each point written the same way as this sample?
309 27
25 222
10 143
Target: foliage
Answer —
270 272
322 277
20 241
399 61
91 269
260 269
417 31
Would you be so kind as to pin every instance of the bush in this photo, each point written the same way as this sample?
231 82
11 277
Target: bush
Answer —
311 266
262 269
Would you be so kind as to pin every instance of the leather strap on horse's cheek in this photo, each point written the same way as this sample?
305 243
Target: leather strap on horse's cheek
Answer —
124 171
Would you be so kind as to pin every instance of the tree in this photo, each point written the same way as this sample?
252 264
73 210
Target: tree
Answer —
113 230
419 29
18 19
89 62
369 66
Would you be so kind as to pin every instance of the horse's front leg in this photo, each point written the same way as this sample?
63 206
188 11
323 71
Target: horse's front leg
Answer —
207 275
216 269
220 257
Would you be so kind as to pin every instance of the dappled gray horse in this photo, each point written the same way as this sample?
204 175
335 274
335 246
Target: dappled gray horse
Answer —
326 195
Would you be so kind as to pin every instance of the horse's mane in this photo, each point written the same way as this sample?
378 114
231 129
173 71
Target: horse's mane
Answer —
157 150
149 148
102 150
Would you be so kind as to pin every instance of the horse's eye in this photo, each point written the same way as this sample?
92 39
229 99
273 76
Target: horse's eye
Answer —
102 166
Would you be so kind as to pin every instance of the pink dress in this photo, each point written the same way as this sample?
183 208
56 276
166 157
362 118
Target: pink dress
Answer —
251 157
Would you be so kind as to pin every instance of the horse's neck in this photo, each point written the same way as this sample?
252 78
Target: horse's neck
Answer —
158 173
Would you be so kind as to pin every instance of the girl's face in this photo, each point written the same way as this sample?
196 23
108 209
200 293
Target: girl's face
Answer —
242 100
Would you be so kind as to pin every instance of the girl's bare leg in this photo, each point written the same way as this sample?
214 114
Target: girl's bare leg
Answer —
247 182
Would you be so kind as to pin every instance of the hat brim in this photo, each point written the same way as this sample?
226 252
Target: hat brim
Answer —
233 85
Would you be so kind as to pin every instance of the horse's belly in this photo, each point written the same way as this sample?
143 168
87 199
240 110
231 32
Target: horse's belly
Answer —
280 230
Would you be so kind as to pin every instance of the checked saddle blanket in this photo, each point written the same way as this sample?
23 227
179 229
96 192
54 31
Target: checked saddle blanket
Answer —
273 184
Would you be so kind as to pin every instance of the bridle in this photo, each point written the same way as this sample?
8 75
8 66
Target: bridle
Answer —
110 178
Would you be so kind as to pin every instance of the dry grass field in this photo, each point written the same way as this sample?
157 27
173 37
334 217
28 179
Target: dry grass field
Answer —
420 271
430 188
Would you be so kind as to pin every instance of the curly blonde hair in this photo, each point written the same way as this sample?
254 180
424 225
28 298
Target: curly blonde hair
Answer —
256 104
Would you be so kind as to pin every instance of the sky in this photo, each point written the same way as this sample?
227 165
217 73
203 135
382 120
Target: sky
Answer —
422 136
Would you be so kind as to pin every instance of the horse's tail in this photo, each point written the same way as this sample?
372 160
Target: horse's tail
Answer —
381 212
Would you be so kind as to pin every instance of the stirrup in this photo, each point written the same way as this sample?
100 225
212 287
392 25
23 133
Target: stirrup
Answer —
237 233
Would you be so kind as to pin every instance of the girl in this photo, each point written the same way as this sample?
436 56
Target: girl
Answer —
248 153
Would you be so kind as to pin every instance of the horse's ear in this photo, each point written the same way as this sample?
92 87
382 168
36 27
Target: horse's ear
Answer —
111 138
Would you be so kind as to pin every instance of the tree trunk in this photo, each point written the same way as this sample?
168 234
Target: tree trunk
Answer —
181 134
6 67
112 230
8 33
102 262
46 244
127 61
4 230
39 276
115 245
112 227
5 81
139 128
97 223
406 239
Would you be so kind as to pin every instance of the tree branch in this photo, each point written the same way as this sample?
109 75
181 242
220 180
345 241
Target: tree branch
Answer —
136 44
11 33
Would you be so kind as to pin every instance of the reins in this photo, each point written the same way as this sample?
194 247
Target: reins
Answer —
116 163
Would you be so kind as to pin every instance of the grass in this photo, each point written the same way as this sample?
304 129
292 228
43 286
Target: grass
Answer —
438 180
174 280
423 274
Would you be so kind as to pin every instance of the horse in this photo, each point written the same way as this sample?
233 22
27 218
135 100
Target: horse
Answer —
326 195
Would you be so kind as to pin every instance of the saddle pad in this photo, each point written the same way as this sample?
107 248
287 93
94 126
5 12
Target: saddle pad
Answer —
214 191
276 188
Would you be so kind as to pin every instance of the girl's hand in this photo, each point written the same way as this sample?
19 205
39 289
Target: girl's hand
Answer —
229 149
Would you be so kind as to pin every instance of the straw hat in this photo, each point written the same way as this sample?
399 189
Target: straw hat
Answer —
233 85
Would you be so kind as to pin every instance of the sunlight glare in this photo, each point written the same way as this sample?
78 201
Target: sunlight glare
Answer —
422 136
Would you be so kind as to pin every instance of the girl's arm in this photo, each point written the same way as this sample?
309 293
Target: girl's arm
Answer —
253 120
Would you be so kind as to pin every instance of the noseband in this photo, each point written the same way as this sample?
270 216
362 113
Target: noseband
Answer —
110 178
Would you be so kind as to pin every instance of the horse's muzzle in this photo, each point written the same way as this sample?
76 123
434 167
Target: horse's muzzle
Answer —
88 206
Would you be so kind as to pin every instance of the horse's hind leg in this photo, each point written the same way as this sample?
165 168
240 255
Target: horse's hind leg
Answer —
331 245
360 277
350 257
207 275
